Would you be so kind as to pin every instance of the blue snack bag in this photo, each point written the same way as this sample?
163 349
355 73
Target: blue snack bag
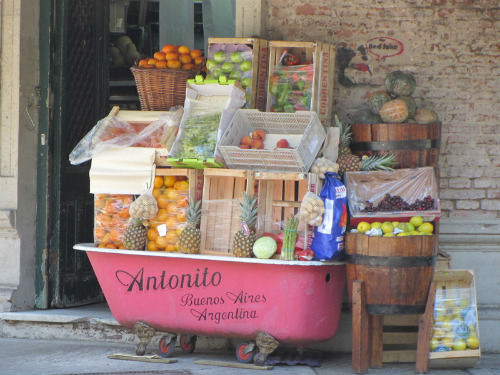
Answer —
328 241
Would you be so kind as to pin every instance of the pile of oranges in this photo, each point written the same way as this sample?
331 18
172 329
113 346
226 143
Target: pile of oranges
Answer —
111 219
174 57
172 196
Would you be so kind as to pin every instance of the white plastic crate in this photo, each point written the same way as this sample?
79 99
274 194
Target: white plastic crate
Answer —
302 129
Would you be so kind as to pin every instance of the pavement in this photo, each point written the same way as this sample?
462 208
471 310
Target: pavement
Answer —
57 357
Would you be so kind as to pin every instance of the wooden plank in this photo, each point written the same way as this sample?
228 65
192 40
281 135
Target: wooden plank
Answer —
232 364
399 356
424 332
360 334
376 342
142 358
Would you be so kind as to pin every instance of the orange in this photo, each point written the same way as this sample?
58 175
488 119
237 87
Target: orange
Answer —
172 209
185 59
159 56
170 247
169 181
198 60
121 247
142 62
151 246
161 65
172 194
174 64
184 50
99 233
183 201
157 192
196 53
102 246
112 206
168 48
172 56
181 217
179 229
115 235
158 182
189 66
110 246
103 220
172 236
100 203
171 223
162 200
124 213
162 215
181 185
161 242
152 61
152 234
127 200
106 239
149 66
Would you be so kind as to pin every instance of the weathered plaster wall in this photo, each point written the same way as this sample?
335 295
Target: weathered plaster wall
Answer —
451 47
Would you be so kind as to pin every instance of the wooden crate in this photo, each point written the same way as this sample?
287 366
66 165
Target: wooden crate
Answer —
322 56
141 119
399 338
279 194
454 287
258 74
195 177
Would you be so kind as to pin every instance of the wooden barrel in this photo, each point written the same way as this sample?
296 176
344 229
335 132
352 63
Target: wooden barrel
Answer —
413 145
396 271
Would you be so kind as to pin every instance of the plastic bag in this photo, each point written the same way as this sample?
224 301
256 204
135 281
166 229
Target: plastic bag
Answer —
291 86
328 241
322 165
113 131
111 218
144 207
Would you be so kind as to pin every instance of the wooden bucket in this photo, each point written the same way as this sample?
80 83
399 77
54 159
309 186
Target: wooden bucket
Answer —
396 271
413 145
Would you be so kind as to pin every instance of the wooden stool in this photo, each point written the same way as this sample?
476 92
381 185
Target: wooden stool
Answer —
367 330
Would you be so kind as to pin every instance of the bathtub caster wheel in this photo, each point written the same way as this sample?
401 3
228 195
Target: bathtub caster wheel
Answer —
245 352
167 345
188 343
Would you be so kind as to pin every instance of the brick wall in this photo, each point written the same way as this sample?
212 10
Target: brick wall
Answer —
452 48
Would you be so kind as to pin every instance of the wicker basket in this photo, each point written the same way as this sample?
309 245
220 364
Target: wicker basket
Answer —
161 89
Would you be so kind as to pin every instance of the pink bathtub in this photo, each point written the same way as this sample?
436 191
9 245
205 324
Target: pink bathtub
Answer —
270 301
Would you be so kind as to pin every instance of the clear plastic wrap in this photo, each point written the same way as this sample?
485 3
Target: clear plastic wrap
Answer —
406 192
312 208
114 131
111 216
235 61
455 320
323 165
172 198
291 86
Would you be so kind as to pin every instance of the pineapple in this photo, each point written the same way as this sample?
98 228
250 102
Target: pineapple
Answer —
190 238
349 162
243 241
135 235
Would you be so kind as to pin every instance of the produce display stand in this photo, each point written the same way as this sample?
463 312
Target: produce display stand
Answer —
262 302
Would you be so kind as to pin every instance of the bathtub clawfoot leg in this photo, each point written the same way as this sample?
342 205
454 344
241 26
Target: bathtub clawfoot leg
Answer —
145 334
267 344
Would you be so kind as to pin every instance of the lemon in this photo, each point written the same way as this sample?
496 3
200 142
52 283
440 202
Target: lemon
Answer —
459 344
390 234
402 234
416 221
472 342
411 227
433 344
376 224
387 227
426 228
414 233
403 227
464 302
363 227
395 223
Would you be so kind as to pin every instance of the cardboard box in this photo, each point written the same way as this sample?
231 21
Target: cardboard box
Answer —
316 69
254 50
455 299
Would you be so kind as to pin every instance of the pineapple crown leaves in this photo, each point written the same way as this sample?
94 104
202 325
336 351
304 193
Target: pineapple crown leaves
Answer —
381 162
249 210
345 132
193 215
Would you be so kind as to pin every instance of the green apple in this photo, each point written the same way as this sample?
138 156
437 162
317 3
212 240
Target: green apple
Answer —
211 64
227 67
236 57
246 66
219 56
246 81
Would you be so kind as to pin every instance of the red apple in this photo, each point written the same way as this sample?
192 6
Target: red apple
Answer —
244 146
282 143
257 143
246 140
259 133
